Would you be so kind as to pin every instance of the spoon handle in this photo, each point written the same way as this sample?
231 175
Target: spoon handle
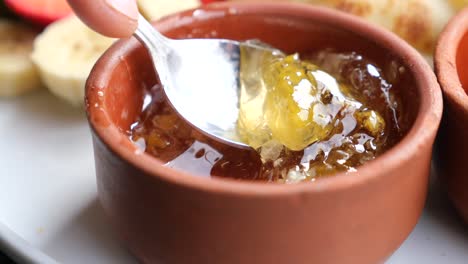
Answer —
157 45
155 42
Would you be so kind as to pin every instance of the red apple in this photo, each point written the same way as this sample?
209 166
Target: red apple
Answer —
210 1
41 12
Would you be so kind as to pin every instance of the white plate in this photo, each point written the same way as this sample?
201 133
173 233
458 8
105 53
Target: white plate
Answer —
48 203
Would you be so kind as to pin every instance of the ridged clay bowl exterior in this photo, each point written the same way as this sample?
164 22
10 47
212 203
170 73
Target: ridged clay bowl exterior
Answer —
451 61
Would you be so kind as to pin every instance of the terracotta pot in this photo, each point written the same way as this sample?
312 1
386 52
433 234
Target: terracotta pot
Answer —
451 61
170 216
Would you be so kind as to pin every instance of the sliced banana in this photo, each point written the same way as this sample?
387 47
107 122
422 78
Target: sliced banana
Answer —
65 53
155 9
18 74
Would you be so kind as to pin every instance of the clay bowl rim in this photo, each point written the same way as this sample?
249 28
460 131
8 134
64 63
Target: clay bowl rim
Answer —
446 59
423 129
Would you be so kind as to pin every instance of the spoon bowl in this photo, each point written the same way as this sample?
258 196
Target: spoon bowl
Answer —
209 101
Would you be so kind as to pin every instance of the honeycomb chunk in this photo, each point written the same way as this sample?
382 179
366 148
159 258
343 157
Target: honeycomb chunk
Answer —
295 103
293 107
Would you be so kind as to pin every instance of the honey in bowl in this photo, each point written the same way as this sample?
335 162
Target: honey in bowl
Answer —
306 116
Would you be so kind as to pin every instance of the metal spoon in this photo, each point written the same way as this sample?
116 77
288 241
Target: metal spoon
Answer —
201 77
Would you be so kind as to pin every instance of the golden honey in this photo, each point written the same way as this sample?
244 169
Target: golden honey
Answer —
305 117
